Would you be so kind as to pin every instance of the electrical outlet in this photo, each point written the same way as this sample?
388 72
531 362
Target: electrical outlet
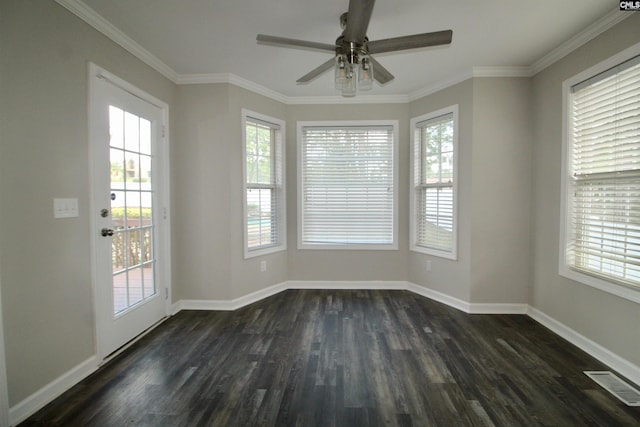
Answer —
427 265
263 266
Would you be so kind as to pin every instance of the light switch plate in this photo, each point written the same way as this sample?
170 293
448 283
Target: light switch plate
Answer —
65 208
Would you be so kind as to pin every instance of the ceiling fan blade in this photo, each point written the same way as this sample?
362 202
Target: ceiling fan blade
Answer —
317 71
381 74
358 18
410 42
283 41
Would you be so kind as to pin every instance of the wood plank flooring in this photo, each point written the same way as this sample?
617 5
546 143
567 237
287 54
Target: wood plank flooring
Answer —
343 358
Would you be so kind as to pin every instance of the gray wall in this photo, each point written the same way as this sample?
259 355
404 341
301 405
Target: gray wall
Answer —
501 181
606 319
200 194
46 280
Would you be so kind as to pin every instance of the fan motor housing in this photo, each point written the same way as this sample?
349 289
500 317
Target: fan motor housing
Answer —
351 50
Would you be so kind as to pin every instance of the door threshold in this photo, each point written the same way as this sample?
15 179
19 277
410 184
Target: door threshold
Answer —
108 358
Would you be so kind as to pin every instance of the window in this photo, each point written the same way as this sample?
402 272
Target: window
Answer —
264 195
601 177
347 185
434 182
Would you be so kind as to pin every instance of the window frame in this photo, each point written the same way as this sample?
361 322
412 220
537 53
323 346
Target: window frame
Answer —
394 124
279 162
413 244
564 268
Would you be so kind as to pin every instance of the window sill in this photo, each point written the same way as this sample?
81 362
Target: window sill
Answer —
435 252
350 247
264 251
613 288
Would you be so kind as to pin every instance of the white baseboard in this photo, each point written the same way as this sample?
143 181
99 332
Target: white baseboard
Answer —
198 304
55 388
615 362
175 308
230 305
498 308
235 304
440 297
347 285
258 295
471 308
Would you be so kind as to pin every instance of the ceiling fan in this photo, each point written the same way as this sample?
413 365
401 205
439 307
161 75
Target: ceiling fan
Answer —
353 49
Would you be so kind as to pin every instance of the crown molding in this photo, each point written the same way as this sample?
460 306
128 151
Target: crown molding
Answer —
229 78
337 99
197 79
91 17
443 84
502 71
583 37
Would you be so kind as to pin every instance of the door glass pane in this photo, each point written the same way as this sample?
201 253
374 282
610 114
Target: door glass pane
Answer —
116 127
147 279
133 209
132 170
135 286
145 136
117 165
120 300
133 244
131 194
117 208
145 172
119 260
147 246
131 132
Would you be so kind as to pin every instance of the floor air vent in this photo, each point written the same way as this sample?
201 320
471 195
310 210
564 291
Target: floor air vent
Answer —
614 385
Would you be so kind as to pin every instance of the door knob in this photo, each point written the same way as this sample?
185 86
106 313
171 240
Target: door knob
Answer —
106 232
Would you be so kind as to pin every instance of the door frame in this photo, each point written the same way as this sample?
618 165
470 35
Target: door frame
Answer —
163 277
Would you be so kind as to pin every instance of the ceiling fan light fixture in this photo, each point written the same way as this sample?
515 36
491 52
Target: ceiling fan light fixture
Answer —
349 86
365 74
342 70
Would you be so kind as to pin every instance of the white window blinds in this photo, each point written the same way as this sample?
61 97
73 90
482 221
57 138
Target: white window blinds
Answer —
347 186
604 175
433 184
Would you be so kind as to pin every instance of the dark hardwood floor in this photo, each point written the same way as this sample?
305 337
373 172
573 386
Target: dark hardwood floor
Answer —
343 358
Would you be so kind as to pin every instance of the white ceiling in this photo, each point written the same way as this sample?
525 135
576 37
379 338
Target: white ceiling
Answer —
192 38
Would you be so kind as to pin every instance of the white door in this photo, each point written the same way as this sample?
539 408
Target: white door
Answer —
129 223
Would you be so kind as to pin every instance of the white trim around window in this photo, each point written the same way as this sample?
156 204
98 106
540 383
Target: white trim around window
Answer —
585 176
348 185
434 183
263 184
